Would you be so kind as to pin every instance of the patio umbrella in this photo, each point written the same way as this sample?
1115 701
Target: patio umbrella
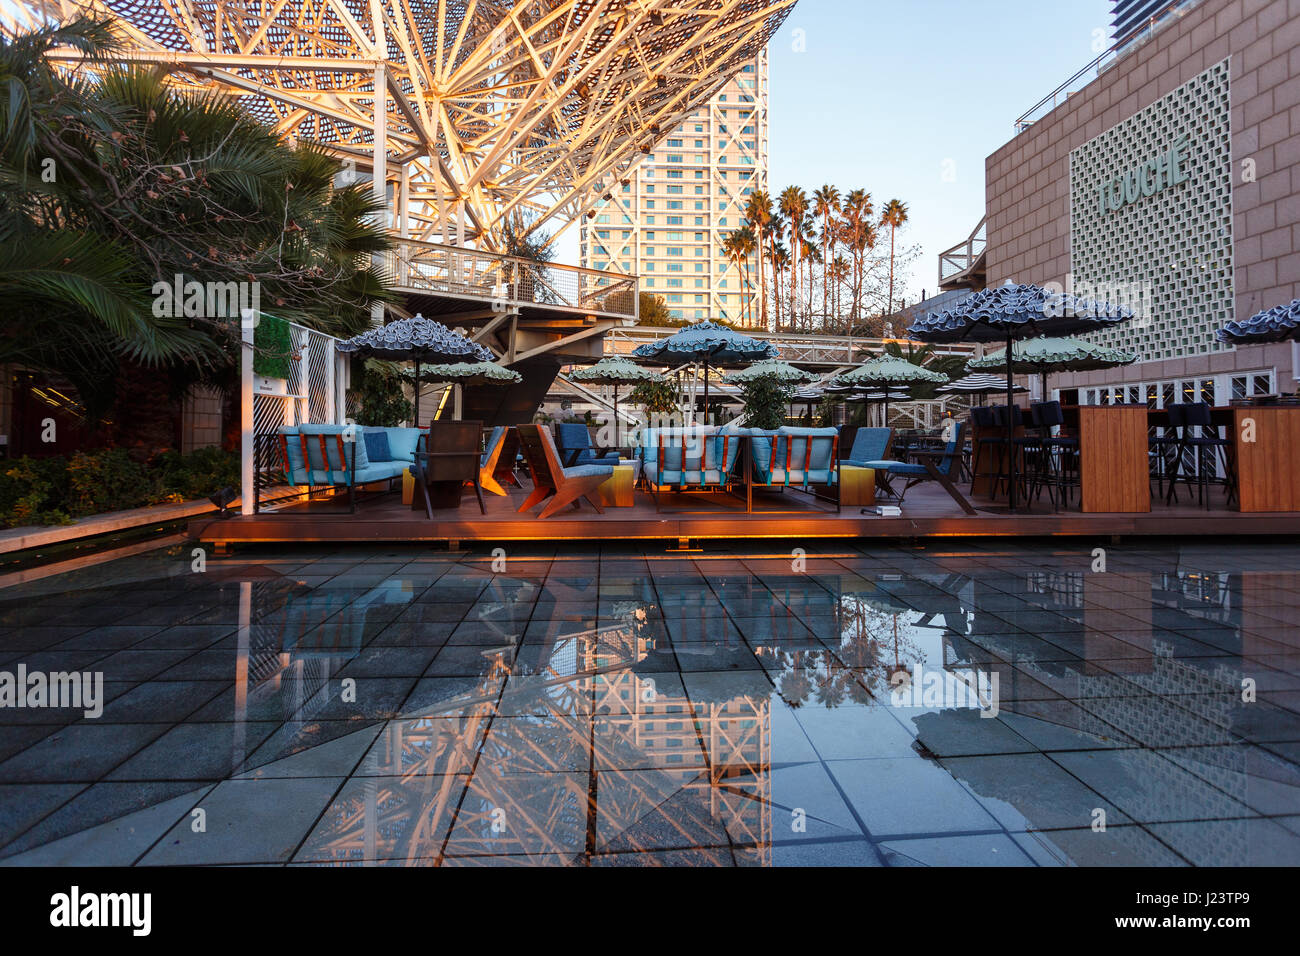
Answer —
467 373
709 344
1054 355
1013 312
615 370
884 373
771 368
1278 324
981 384
417 340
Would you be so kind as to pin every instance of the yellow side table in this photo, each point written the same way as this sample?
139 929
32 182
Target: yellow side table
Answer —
616 490
408 487
857 486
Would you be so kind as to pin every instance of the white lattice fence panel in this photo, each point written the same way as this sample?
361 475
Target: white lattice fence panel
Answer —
1167 254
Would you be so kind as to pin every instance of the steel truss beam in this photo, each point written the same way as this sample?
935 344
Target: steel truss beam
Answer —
487 106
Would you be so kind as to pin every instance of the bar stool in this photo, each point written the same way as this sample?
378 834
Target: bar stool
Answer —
1163 450
1062 450
1035 459
991 446
1197 415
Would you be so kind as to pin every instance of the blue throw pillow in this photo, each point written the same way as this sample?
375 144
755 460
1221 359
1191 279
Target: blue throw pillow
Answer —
377 446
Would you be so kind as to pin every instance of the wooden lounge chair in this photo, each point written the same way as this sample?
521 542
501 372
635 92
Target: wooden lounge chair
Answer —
567 485
929 466
453 462
487 466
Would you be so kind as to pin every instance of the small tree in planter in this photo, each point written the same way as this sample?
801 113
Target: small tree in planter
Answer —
657 399
377 390
766 400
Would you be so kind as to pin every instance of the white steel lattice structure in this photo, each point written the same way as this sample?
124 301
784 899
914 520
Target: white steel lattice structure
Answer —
486 106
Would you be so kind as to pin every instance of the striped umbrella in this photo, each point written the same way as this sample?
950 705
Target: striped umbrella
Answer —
417 340
981 384
1054 355
709 344
771 368
884 373
614 370
1013 312
1278 324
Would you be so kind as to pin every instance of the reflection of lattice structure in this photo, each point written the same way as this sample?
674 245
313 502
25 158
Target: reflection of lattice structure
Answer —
526 778
488 106
1177 242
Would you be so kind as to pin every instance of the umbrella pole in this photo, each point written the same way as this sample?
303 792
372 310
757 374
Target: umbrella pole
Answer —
1011 428
618 439
706 392
416 422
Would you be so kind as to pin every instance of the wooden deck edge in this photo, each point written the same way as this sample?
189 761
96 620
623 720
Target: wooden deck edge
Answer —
342 529
22 539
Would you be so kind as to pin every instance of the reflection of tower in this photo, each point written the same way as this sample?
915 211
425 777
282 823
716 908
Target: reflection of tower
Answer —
732 770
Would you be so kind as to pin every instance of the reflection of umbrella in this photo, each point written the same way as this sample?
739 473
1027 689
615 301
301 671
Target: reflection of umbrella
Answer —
981 384
614 371
1055 355
709 344
1277 324
1016 312
417 340
771 368
885 372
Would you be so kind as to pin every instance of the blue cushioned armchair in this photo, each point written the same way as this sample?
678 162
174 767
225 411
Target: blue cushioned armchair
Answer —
930 466
573 441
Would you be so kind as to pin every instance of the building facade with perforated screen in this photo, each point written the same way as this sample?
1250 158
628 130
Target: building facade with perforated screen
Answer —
1171 183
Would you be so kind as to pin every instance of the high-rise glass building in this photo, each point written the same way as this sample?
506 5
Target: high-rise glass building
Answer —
667 221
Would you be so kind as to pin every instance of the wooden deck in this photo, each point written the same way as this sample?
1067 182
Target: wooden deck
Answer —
927 512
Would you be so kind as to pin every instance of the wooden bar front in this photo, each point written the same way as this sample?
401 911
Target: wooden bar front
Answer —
1268 468
1113 464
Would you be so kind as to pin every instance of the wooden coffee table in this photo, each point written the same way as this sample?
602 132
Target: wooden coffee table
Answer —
616 490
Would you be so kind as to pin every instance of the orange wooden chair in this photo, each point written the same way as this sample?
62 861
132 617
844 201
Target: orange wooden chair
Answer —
550 478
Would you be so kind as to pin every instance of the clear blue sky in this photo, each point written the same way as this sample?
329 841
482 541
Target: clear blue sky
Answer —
884 93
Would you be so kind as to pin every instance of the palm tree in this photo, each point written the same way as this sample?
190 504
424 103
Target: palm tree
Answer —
857 233
838 271
739 247
894 216
154 183
776 228
758 213
826 204
746 243
794 205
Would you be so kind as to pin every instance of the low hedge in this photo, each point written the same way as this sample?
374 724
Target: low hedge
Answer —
58 490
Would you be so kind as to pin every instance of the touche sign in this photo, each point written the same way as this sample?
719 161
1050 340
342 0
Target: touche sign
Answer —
1153 176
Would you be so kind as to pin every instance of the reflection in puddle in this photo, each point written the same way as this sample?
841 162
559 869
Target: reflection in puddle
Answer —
642 709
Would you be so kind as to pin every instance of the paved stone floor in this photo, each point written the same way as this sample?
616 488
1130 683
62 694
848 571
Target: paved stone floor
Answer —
972 703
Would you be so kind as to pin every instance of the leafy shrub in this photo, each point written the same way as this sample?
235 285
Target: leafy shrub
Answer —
57 490
656 397
377 389
765 401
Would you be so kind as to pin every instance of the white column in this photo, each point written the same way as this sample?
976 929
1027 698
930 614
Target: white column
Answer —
331 391
248 320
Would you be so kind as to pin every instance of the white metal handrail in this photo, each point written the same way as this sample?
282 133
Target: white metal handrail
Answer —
509 281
